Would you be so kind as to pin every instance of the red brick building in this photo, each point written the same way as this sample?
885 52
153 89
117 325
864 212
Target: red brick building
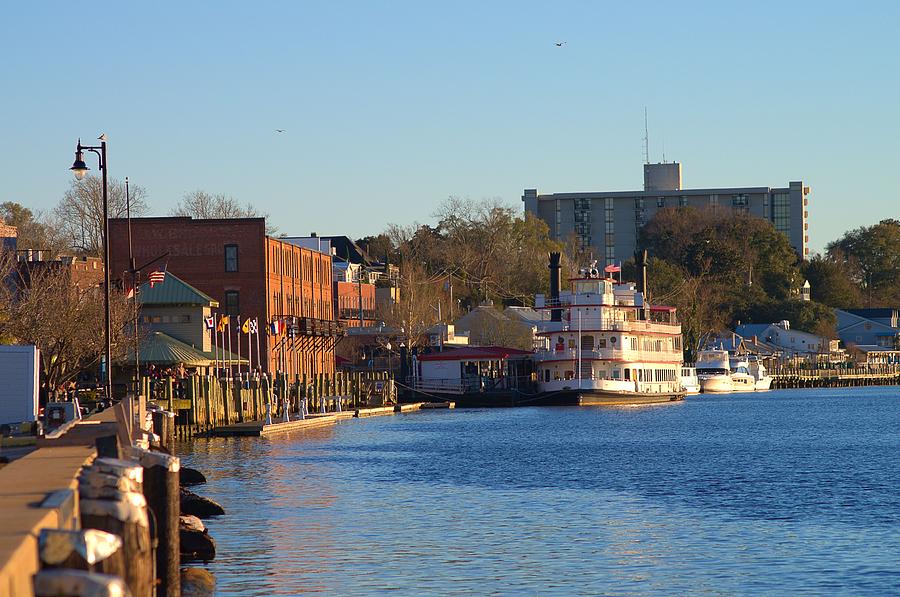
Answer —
249 274
354 303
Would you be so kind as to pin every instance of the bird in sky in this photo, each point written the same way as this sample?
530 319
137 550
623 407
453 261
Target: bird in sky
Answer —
559 44
279 130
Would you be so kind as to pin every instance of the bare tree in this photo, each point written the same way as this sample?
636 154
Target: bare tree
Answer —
43 307
79 214
415 308
35 230
205 206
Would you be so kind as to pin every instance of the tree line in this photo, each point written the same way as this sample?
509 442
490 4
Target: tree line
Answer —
719 269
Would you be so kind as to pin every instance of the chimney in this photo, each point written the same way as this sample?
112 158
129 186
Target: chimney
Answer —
641 261
555 280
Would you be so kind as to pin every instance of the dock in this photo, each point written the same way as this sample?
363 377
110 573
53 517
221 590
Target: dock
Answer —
312 421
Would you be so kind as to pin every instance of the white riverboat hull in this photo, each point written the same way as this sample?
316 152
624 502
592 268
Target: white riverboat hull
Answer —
602 392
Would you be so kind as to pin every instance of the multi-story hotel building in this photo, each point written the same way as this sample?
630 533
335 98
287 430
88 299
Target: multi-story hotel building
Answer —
250 274
609 222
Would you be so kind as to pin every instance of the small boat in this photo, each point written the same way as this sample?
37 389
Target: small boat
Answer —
758 370
714 372
741 378
689 381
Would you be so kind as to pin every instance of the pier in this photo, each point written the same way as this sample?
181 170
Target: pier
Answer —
835 378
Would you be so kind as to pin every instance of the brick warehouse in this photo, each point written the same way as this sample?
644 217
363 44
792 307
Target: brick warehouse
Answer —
250 274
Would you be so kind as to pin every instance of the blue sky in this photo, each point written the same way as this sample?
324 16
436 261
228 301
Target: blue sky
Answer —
390 107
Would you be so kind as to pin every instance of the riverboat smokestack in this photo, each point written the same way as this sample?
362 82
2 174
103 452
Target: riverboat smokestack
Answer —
641 259
555 281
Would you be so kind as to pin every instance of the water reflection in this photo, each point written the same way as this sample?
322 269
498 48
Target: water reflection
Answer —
784 492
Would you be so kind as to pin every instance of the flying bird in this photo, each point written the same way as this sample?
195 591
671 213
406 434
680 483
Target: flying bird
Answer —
279 130
559 44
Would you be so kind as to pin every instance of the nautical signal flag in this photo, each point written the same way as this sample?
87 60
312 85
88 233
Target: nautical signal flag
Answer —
246 327
223 323
254 326
210 322
158 277
276 327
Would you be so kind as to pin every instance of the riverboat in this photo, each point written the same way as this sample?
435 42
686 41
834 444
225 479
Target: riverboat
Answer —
605 346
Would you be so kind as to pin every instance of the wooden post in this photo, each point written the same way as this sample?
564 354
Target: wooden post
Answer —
90 550
110 503
161 489
164 427
60 581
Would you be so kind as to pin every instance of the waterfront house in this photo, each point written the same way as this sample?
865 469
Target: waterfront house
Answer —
869 329
791 344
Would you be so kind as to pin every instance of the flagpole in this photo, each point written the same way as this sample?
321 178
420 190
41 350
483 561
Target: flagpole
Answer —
215 335
237 331
249 351
258 357
230 354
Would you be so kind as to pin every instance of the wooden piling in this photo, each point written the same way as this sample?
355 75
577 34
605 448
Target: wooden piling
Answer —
161 490
90 550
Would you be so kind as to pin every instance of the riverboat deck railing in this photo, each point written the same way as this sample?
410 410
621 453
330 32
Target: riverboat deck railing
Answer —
612 324
610 354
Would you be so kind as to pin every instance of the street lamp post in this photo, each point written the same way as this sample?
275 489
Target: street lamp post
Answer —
79 169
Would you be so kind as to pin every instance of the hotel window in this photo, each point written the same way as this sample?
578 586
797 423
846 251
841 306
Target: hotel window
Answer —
660 202
232 303
741 203
682 201
231 258
781 212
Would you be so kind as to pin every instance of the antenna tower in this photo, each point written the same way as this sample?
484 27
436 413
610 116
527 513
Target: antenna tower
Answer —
646 138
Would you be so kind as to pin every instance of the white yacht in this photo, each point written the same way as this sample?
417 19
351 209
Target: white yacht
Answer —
714 372
760 374
689 381
605 346
742 380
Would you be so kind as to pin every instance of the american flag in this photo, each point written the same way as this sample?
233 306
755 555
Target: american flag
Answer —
157 277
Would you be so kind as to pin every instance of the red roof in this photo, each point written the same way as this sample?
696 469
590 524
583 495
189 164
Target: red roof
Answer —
474 353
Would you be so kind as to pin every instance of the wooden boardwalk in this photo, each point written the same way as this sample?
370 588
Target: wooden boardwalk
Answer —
260 429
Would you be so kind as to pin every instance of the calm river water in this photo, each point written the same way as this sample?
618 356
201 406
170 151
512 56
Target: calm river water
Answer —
784 492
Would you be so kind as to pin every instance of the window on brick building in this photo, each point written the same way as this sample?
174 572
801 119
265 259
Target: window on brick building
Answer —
232 303
231 258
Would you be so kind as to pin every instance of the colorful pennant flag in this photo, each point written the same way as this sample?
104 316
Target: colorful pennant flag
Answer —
210 322
223 323
254 326
246 327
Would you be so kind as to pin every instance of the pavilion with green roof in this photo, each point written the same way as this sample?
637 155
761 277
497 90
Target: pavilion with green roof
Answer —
173 326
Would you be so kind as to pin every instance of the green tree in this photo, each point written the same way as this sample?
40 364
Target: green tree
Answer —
830 283
871 255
